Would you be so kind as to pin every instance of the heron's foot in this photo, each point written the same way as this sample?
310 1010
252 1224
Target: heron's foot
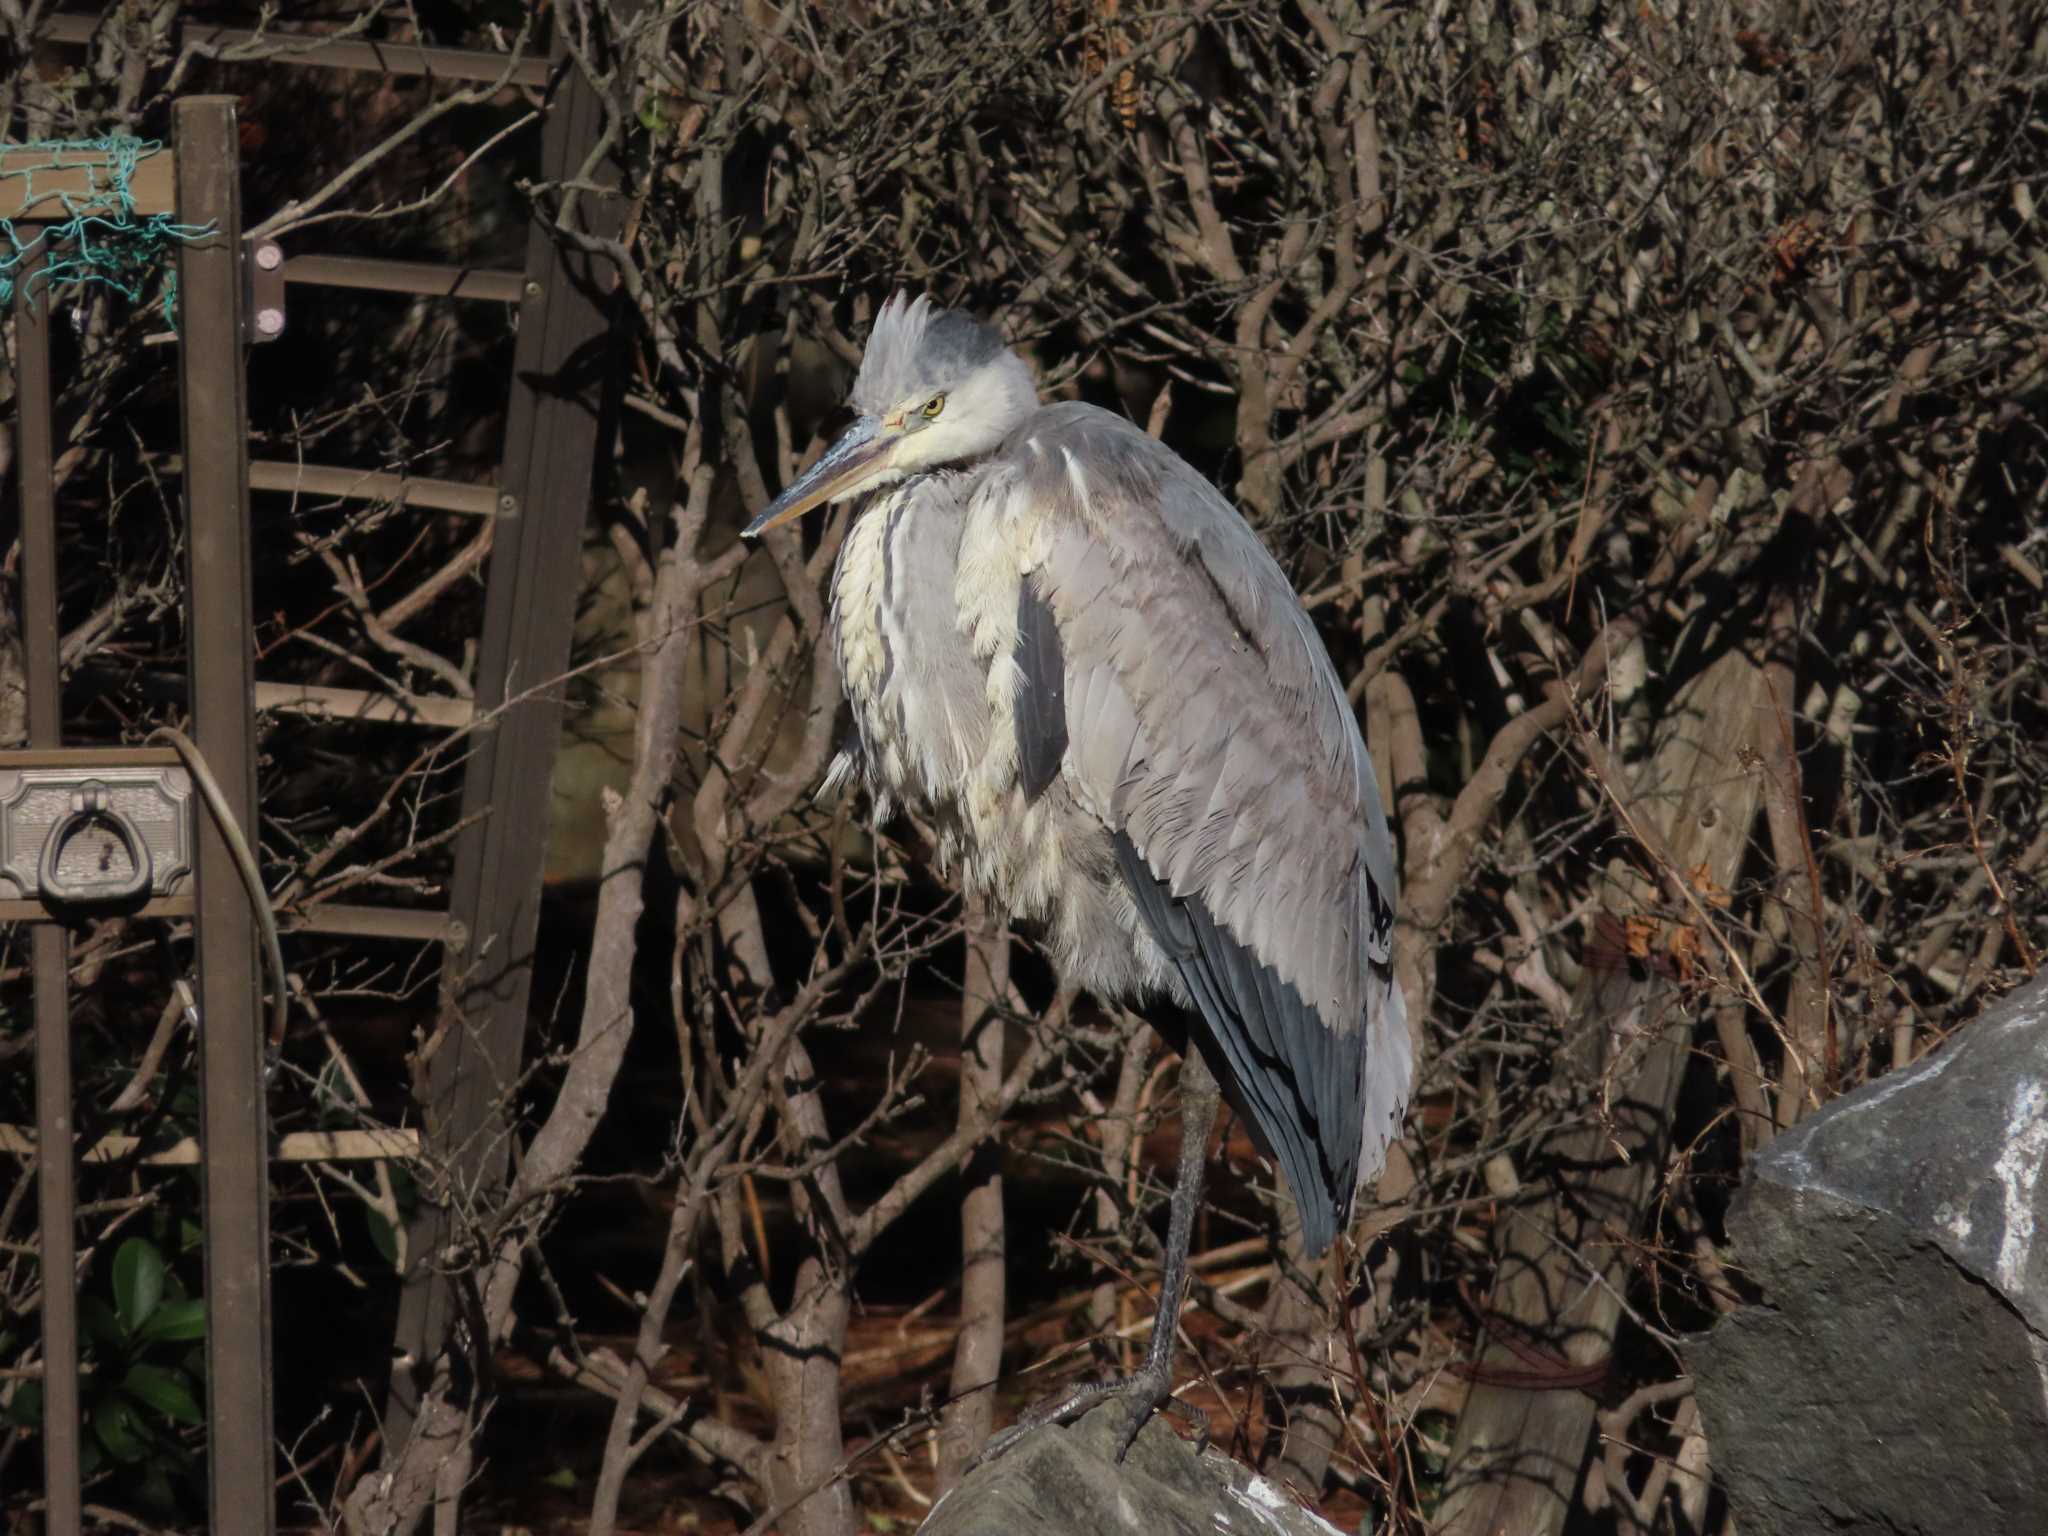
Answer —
1143 1393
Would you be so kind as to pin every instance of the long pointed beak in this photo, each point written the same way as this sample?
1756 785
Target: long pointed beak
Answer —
861 450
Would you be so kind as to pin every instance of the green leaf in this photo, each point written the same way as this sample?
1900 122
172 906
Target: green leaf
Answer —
165 1391
562 1478
138 1282
382 1235
26 1409
175 1322
114 1426
99 1322
155 1490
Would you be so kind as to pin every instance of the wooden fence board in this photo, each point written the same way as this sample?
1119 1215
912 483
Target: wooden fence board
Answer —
56 192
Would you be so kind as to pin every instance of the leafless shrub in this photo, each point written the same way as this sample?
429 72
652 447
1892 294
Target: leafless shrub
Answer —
1561 353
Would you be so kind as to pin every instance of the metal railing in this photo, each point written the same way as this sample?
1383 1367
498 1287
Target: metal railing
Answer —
487 934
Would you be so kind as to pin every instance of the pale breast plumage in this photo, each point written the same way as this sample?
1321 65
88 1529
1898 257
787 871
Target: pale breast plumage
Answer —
919 712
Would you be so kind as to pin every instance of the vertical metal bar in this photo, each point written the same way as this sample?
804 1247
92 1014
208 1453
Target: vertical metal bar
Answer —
550 448
232 1131
56 1174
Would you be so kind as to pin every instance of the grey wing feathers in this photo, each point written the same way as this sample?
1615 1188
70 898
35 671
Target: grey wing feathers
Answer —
1207 726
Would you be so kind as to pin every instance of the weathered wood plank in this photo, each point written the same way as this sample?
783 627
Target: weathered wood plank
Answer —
358 704
1561 1264
65 183
298 1147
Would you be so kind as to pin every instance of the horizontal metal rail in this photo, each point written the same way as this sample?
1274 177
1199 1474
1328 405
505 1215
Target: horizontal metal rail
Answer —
329 917
360 704
299 1147
103 757
377 58
434 280
178 904
333 917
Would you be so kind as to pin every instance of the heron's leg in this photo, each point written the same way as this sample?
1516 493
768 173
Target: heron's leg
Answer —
1151 1385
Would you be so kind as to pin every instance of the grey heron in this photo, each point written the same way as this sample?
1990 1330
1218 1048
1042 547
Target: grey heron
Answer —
1070 654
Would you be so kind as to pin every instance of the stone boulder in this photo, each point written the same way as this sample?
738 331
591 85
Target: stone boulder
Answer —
1065 1482
1894 1378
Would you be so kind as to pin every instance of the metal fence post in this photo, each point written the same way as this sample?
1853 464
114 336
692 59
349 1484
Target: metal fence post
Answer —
56 1170
232 1112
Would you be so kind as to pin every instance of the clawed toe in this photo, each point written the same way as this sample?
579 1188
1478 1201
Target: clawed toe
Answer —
1189 1415
1145 1393
1060 1410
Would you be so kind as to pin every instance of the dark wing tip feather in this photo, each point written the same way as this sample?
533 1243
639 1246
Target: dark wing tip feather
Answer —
1271 1052
1040 711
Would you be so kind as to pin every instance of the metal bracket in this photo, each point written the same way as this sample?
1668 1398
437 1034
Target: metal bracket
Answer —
83 830
102 882
263 272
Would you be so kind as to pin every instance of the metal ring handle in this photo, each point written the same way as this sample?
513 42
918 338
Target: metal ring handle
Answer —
59 891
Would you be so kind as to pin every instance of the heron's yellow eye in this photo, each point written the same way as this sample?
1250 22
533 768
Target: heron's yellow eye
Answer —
933 406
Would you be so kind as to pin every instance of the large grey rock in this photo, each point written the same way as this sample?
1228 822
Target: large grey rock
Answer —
1065 1482
1894 1379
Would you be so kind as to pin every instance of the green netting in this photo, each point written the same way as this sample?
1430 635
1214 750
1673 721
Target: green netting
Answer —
100 240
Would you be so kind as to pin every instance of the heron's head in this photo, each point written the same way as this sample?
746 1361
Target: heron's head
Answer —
935 389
